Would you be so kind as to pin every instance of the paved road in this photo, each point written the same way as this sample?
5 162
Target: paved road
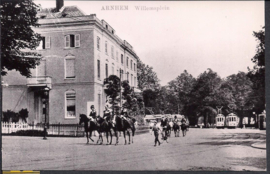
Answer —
201 149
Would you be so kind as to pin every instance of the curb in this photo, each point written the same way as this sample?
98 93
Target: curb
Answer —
259 145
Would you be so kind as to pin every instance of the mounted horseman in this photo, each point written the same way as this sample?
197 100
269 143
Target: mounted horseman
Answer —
90 123
105 125
124 123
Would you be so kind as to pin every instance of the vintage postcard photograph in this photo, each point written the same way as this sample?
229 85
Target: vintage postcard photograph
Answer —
133 85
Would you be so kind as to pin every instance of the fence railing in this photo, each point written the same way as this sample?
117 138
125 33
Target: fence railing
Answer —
54 129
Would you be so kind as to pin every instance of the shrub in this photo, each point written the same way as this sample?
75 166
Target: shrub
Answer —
29 133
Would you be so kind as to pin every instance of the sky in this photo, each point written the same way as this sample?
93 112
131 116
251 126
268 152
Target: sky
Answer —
184 35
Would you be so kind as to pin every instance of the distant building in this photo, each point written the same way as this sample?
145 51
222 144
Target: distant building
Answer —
78 52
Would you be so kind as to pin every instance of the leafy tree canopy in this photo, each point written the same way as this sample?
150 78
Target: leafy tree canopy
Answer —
18 40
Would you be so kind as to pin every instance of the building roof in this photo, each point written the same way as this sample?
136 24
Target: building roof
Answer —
66 11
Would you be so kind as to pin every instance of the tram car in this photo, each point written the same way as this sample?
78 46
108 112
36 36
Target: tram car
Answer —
262 121
220 121
232 121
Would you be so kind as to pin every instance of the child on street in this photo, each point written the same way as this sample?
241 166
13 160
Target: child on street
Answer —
156 130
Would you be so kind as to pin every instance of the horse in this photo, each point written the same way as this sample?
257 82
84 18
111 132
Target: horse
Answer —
123 125
92 127
104 126
184 129
176 129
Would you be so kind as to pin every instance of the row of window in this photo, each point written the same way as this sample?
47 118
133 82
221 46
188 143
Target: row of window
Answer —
70 40
131 78
112 55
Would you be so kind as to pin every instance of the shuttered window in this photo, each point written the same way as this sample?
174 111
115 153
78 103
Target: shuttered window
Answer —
48 42
70 68
72 40
77 40
67 41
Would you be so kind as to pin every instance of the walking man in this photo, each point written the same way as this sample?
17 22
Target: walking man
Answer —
156 130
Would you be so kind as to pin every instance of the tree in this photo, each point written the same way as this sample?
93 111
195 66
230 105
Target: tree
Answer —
18 40
147 78
241 88
112 90
203 95
257 74
181 87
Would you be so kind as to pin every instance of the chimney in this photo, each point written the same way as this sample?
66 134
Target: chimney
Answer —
59 4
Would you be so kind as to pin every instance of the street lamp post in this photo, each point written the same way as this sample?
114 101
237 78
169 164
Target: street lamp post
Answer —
46 92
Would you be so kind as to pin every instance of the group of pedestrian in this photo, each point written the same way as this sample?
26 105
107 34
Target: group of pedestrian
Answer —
156 129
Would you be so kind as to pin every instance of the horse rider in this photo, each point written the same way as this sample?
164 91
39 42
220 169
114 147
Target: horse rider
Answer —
163 123
125 115
93 114
107 114
175 120
156 130
183 121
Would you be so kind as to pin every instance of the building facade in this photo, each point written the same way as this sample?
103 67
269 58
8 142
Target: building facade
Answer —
78 52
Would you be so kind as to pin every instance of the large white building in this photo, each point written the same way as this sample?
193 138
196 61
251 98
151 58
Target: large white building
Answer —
79 51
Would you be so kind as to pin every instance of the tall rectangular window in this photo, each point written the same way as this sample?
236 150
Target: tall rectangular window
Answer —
116 56
134 67
131 79
131 64
106 70
112 49
106 47
135 81
127 76
98 68
98 43
70 68
122 59
127 62
70 105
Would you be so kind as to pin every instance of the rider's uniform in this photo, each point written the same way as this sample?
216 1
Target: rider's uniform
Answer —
163 124
93 115
175 121
107 115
